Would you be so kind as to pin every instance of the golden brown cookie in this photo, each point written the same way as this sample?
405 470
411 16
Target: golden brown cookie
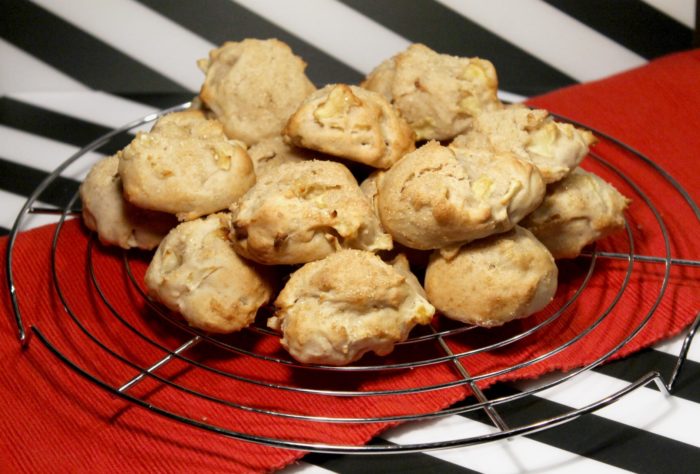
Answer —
335 310
437 94
577 211
196 272
352 123
555 148
253 86
116 221
435 198
303 212
185 166
494 280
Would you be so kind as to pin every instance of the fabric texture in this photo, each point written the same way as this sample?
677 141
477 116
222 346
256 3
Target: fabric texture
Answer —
51 416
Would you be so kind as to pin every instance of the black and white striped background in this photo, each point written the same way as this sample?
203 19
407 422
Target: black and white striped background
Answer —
71 70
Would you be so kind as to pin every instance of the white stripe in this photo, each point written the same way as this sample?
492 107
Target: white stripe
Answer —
141 33
43 153
304 468
11 205
340 31
96 107
682 11
673 346
644 408
507 456
550 35
510 97
23 72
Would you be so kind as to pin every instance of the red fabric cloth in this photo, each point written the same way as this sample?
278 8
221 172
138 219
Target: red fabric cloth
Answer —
51 418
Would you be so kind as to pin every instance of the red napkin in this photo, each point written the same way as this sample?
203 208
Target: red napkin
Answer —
52 418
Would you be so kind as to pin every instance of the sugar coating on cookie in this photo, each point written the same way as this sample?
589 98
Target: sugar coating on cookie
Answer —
577 211
555 148
352 123
196 272
253 86
436 198
494 280
335 310
116 221
268 154
303 212
437 94
185 166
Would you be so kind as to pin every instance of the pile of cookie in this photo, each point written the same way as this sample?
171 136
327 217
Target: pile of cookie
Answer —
257 184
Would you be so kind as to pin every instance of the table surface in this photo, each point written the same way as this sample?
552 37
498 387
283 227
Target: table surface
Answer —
73 68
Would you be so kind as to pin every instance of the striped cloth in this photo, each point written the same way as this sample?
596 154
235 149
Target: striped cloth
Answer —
74 70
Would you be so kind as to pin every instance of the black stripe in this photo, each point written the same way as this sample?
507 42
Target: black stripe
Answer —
4 231
158 100
635 366
427 22
632 23
696 35
398 463
55 126
222 20
596 437
76 53
23 180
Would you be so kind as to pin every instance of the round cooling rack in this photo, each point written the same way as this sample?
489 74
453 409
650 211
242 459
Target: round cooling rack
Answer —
137 348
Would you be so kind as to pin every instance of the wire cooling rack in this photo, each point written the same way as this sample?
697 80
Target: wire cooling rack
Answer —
342 382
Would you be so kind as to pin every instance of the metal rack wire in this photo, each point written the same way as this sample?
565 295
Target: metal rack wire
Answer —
425 350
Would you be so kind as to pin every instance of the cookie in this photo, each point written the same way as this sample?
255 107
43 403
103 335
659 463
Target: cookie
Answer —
185 166
302 212
253 86
437 94
268 154
494 280
555 148
196 273
436 198
351 123
577 211
116 221
333 311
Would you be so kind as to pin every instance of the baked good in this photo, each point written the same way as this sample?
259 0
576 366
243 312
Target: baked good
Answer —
577 211
555 148
269 153
335 310
196 272
303 212
185 166
436 198
492 281
437 94
253 86
352 123
116 221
